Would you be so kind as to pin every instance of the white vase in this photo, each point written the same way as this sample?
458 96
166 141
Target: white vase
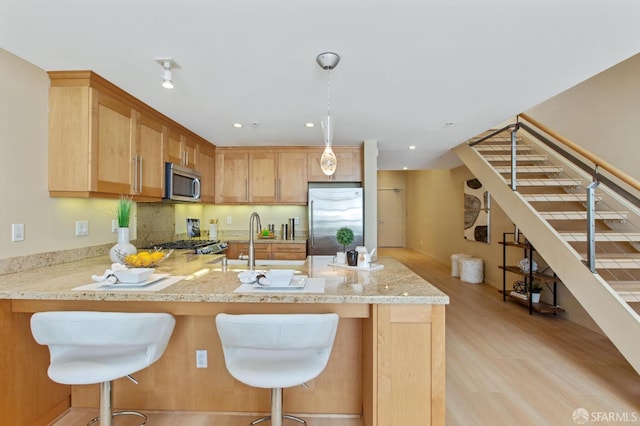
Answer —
341 257
535 297
123 246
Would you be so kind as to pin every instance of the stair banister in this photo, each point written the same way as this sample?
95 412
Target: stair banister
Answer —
514 184
591 225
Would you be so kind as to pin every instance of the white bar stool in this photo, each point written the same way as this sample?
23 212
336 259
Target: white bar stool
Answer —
275 351
98 347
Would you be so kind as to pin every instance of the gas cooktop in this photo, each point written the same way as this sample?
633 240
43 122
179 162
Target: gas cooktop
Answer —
200 246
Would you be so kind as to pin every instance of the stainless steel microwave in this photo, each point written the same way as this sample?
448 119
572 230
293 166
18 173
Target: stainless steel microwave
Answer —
181 183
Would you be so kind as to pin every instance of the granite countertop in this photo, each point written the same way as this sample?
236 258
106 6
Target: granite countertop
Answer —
208 280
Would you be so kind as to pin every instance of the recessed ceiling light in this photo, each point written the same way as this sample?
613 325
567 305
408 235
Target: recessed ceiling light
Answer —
412 147
237 125
309 124
450 123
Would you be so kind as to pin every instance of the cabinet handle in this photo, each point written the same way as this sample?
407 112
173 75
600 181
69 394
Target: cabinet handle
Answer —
134 160
140 173
311 223
246 189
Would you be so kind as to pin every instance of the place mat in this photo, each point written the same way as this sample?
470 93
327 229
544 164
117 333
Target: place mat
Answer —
314 285
357 268
155 286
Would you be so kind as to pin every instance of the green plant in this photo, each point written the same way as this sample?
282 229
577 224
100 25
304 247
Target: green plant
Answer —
536 287
123 211
344 237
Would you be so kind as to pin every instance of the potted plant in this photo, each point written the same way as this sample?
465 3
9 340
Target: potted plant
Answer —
345 237
536 289
123 215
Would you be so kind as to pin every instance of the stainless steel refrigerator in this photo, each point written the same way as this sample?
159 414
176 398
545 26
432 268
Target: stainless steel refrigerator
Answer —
332 206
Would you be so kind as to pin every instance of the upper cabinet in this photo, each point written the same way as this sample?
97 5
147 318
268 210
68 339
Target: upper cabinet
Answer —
206 166
277 175
103 142
349 167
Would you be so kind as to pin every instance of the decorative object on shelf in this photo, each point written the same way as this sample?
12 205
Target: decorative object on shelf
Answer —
477 208
123 214
524 265
520 287
352 257
536 289
328 161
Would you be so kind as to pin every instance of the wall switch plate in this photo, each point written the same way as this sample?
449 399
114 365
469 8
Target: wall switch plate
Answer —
296 220
82 228
17 232
114 225
229 220
201 358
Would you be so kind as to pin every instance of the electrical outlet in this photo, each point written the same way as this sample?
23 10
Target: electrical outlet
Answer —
201 358
229 220
17 232
114 225
82 228
296 220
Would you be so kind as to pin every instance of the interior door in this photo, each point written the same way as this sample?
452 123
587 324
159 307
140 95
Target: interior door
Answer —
391 214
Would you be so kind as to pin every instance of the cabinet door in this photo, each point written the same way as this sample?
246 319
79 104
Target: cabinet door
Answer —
112 120
349 168
190 152
292 177
262 177
173 149
232 177
148 172
206 166
288 251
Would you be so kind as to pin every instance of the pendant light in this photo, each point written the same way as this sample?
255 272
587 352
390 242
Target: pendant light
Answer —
328 160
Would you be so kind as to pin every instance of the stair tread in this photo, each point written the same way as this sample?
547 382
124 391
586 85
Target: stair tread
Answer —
546 182
502 147
628 290
555 197
582 215
530 169
521 157
602 236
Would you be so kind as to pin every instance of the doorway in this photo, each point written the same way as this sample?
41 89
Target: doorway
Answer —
391 217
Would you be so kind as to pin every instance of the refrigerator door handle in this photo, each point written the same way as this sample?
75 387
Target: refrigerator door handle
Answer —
311 222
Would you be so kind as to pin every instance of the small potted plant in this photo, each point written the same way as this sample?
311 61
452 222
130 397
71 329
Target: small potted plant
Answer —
345 237
536 289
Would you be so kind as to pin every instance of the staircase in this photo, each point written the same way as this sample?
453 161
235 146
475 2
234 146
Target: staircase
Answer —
549 206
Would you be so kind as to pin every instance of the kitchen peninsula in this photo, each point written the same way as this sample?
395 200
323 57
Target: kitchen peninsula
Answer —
387 366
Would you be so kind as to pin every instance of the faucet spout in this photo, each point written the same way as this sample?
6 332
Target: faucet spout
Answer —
255 218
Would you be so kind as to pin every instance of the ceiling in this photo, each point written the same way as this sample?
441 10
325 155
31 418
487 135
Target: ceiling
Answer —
412 72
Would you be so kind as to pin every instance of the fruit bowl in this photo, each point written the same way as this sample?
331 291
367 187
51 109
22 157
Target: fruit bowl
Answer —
143 259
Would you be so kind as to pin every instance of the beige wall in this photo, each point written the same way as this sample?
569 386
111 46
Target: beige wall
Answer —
49 223
601 115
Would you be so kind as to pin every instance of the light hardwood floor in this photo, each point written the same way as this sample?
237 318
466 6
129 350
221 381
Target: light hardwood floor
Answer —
504 367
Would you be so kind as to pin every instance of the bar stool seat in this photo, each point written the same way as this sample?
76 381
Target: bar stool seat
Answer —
98 347
276 351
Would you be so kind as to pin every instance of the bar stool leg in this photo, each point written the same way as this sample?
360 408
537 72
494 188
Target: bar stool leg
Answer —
106 414
276 411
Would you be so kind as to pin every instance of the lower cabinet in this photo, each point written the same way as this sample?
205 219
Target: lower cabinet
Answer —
269 251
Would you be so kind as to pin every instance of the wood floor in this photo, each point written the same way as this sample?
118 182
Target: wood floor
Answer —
504 367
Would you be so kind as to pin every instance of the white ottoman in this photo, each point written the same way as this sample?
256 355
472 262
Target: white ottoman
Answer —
455 263
471 270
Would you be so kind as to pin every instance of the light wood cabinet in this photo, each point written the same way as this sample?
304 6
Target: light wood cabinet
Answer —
148 164
181 149
206 166
349 168
262 177
268 251
232 177
105 143
292 177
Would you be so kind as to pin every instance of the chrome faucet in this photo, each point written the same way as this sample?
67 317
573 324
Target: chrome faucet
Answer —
255 217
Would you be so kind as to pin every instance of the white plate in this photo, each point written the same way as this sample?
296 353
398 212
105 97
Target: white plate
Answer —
152 279
295 283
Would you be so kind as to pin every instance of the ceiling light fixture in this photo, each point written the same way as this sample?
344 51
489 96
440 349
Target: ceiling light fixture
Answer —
167 75
309 124
412 147
328 161
237 125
